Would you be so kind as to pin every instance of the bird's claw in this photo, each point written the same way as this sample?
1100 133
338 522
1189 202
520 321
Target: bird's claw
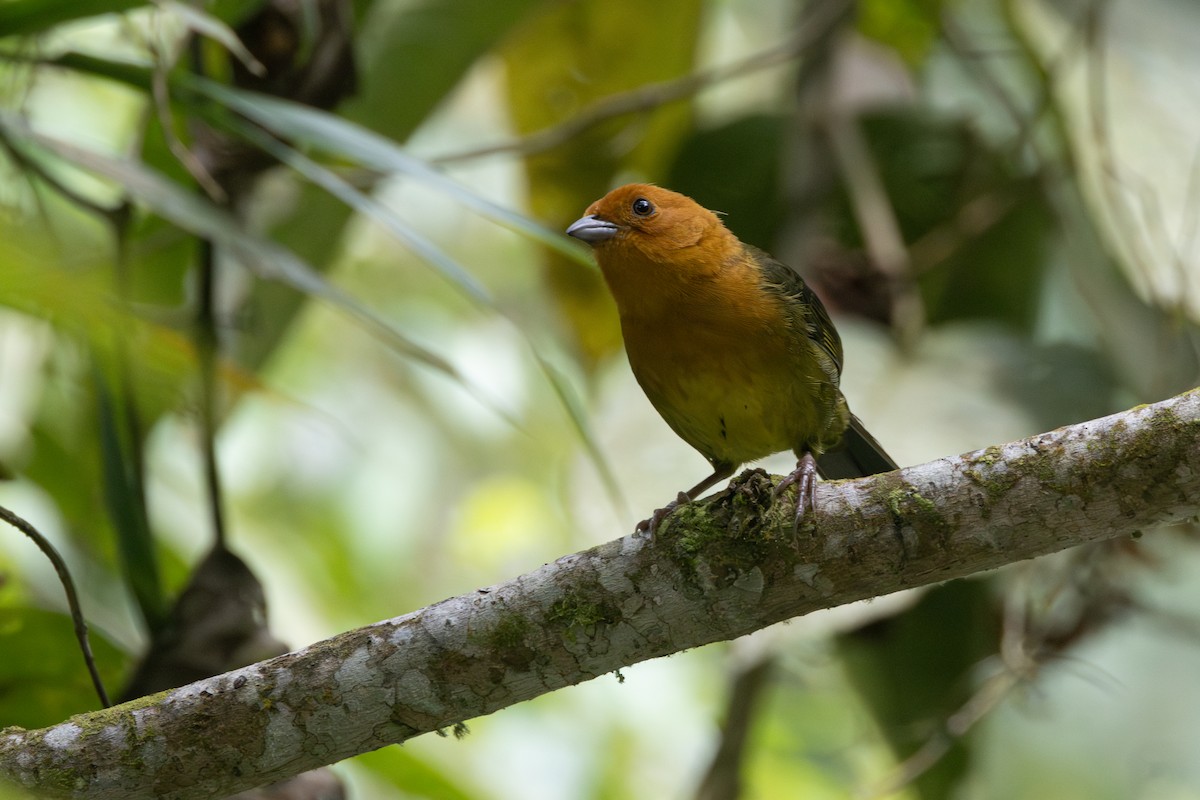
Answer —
651 525
804 478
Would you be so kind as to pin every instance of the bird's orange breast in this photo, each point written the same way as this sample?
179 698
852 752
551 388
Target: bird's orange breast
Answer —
724 369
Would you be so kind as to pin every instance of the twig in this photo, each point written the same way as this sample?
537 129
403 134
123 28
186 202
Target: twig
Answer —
974 217
161 98
956 726
1016 666
32 166
1044 75
877 220
723 780
959 43
1025 645
208 346
68 584
653 95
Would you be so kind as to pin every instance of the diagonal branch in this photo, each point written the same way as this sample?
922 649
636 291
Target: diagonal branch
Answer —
719 569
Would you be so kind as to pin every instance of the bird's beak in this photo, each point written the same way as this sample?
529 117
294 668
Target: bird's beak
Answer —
591 230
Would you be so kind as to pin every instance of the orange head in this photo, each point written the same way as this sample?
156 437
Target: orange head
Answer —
651 241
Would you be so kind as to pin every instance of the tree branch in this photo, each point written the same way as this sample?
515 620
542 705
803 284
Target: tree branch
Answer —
719 569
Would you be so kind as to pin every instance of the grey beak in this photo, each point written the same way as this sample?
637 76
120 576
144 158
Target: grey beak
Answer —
591 230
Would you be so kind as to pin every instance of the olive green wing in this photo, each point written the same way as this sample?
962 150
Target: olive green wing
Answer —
858 453
804 309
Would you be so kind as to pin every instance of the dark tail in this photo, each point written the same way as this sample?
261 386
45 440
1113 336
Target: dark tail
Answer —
858 456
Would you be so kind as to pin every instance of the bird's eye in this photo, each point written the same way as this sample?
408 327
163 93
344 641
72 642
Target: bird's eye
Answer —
643 207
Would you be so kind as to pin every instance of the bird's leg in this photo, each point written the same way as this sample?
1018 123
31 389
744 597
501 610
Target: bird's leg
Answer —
651 525
804 476
721 471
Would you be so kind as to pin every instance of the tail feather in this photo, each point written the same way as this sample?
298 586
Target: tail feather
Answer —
858 455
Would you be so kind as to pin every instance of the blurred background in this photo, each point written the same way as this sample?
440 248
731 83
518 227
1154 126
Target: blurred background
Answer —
288 325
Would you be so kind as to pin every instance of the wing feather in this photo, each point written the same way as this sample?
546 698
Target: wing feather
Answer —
804 309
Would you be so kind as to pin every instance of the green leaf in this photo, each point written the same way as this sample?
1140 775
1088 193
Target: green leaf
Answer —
413 776
233 12
977 227
579 419
416 55
25 17
192 213
737 168
339 137
136 74
370 207
914 670
125 498
42 678
215 29
910 27
333 135
427 250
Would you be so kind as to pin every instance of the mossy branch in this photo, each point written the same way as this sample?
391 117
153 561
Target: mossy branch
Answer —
718 569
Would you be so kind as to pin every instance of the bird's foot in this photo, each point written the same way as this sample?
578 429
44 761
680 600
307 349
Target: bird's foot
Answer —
651 525
804 478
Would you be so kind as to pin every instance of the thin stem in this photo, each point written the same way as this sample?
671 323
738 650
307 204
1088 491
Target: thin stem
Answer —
68 584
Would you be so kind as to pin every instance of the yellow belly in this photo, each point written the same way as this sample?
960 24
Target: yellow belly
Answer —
735 398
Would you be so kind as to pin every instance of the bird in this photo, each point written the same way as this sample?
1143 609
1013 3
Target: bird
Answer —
733 349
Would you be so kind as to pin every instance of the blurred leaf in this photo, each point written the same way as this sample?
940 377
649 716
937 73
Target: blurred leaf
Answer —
125 497
369 207
77 301
24 17
421 52
456 274
736 169
910 27
561 61
977 228
579 419
159 258
335 136
914 670
410 57
136 74
1129 123
233 12
42 679
65 462
997 273
313 226
413 776
1153 352
264 257
84 451
1062 384
214 28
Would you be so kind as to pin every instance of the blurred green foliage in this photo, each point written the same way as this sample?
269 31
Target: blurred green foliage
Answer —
41 678
419 386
